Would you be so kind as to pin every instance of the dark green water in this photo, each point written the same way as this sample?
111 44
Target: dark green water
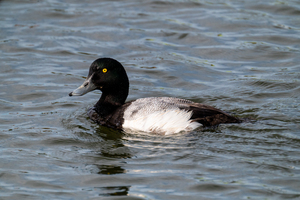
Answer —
240 56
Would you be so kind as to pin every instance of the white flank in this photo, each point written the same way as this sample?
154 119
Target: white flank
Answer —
163 122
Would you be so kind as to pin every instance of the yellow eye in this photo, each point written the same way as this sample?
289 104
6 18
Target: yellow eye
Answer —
104 70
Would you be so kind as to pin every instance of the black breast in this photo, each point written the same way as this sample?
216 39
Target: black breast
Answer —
110 116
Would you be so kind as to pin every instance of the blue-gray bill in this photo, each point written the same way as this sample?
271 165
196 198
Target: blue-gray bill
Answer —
86 87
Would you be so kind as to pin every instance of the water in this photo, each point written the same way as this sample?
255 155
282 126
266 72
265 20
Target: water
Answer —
242 57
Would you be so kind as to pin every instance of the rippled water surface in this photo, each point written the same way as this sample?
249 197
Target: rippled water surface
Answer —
240 56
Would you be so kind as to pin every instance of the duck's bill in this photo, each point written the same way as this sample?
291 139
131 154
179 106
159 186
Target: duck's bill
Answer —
86 87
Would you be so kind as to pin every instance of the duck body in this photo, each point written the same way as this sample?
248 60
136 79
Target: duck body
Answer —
163 115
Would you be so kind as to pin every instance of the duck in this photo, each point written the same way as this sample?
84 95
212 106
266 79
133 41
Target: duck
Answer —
162 115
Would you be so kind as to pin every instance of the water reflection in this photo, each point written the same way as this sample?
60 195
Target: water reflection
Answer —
104 141
102 152
110 169
113 149
114 190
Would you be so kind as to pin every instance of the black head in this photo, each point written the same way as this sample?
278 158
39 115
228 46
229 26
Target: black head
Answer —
107 75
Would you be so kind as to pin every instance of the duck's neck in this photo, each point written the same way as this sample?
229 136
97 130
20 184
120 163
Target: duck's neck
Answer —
110 102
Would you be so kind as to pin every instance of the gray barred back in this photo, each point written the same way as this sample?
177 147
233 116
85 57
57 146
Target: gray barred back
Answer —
145 106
